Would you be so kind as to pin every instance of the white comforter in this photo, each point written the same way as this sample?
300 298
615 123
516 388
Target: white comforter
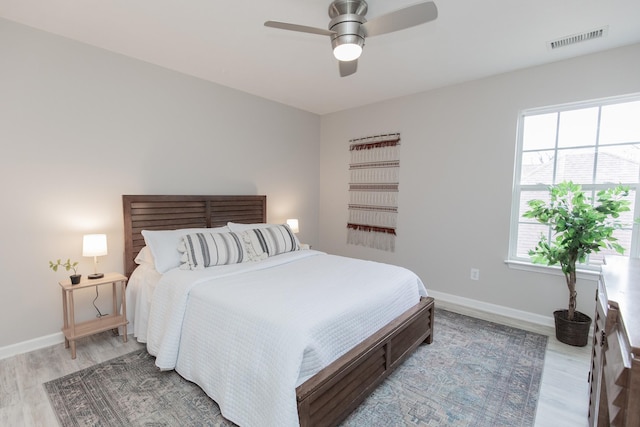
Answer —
248 334
140 288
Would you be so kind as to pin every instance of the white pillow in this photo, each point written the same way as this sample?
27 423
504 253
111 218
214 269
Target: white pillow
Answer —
144 256
164 245
238 227
202 250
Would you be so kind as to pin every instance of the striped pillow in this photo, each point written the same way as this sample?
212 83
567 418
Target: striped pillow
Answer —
271 241
201 250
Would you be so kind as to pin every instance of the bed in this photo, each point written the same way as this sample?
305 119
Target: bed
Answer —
327 394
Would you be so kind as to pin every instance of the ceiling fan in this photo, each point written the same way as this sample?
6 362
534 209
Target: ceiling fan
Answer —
348 28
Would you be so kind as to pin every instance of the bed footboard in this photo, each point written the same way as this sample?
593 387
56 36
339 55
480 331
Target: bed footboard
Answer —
333 393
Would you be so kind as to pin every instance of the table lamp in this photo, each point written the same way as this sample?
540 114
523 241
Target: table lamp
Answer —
94 245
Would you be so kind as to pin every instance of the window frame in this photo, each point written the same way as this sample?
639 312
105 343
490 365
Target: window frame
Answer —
585 270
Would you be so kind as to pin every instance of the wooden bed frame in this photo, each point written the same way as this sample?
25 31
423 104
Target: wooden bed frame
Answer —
333 393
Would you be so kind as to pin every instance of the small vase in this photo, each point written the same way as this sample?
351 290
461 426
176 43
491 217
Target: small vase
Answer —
75 278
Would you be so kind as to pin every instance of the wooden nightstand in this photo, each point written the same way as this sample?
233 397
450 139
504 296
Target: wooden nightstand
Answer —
72 330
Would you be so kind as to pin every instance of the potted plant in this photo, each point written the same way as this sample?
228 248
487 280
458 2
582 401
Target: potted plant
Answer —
580 225
68 265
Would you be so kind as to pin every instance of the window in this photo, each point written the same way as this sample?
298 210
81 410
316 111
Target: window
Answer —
595 144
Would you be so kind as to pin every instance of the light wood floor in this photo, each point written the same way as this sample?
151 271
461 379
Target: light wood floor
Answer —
563 395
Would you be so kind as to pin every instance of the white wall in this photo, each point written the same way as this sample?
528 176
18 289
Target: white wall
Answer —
457 161
80 126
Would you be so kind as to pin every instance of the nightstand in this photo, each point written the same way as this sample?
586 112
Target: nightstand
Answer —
72 330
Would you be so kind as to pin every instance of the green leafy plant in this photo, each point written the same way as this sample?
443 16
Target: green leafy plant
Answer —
68 265
580 226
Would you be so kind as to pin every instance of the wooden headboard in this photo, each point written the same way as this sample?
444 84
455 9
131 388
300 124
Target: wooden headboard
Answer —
149 212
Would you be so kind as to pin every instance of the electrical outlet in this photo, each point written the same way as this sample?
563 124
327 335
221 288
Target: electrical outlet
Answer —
475 274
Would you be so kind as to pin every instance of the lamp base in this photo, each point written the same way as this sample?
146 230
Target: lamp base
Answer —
96 276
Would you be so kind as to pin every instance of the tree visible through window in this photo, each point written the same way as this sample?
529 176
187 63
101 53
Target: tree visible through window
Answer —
594 144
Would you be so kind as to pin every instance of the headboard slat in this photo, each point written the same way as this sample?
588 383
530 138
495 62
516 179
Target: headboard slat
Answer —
167 212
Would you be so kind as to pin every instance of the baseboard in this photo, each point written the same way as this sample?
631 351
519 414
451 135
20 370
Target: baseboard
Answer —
31 345
476 308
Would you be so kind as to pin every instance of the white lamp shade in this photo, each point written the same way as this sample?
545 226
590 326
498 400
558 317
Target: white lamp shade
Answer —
293 225
94 245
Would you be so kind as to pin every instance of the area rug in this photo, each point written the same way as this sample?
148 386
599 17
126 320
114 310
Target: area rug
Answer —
475 373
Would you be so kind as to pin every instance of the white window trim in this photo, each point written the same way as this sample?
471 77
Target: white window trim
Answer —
520 263
581 273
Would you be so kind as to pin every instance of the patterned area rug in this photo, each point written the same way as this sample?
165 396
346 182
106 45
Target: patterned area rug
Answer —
475 373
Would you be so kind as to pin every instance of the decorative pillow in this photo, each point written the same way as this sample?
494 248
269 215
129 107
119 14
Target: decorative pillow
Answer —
271 240
201 250
164 245
252 246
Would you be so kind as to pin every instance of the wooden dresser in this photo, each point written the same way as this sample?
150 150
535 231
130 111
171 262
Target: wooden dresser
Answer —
615 361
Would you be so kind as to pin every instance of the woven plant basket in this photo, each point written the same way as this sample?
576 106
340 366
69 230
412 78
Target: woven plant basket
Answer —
573 332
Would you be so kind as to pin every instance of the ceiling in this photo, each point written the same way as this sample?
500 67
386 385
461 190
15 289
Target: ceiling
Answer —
225 42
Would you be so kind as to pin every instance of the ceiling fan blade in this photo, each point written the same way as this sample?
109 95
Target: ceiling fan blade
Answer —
401 19
299 28
348 67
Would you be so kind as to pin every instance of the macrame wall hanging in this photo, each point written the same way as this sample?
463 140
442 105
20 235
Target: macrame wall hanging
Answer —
373 191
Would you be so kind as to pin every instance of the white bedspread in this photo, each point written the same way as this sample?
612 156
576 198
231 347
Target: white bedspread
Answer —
248 334
140 288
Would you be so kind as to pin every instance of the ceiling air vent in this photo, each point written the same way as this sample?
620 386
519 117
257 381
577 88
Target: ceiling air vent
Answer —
577 38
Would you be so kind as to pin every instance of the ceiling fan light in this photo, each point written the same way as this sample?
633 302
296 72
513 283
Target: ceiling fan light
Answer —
347 52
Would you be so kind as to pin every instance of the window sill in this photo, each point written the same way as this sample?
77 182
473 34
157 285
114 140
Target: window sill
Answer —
554 270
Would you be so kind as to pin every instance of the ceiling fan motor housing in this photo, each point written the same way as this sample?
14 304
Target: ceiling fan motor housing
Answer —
344 7
347 16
